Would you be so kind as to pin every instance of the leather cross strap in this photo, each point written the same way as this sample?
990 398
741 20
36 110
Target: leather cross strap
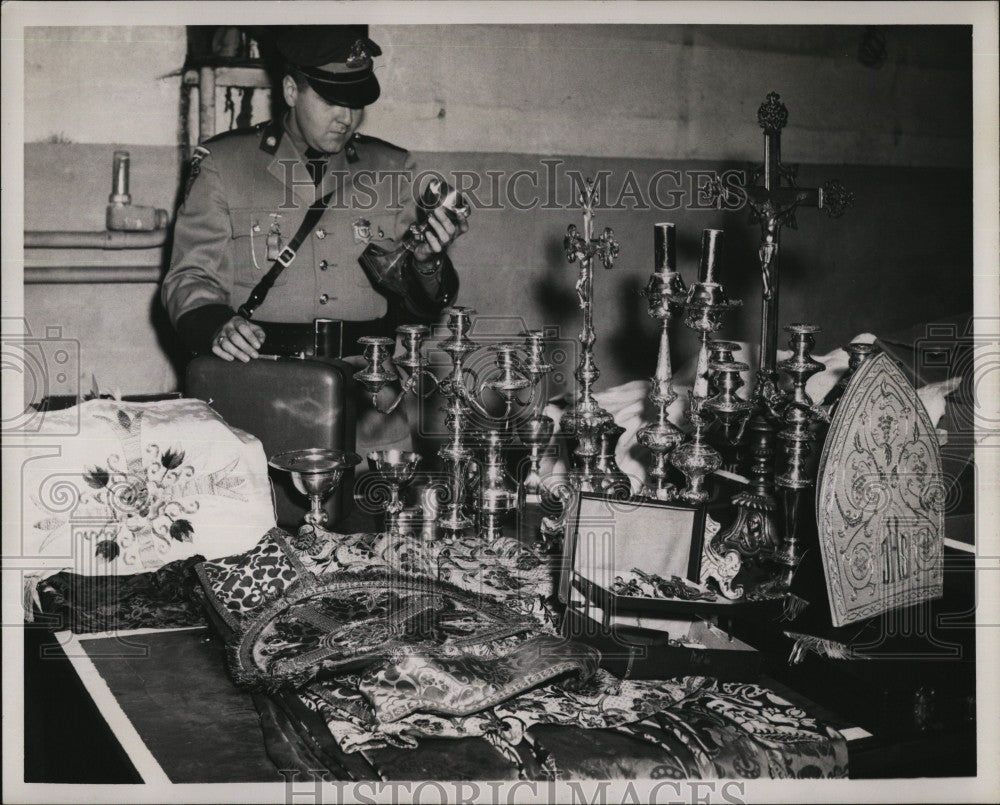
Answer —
260 291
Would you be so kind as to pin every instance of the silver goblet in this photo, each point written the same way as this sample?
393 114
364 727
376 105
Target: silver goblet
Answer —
535 433
396 468
316 473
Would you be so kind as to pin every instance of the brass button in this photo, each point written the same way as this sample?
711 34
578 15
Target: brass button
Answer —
324 298
323 265
321 233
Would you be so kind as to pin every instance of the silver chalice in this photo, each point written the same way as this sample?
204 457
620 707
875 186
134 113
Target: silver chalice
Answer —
396 468
316 473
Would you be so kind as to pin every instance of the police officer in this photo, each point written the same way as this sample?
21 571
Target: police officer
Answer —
249 192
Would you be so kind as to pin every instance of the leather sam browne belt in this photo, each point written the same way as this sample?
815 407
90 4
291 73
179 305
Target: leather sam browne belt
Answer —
324 338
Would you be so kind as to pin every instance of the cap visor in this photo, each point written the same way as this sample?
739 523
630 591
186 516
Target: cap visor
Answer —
353 95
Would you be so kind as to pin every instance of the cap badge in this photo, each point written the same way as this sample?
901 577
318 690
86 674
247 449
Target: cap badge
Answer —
359 57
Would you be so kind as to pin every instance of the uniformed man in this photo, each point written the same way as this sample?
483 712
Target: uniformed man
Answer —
250 190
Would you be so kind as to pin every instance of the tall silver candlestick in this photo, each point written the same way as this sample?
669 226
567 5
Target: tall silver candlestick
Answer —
704 306
664 287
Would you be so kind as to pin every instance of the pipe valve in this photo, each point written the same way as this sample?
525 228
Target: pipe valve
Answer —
122 215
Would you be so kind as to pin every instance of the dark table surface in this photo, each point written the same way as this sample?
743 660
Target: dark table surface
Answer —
174 689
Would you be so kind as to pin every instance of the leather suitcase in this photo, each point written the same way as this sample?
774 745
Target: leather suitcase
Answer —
289 404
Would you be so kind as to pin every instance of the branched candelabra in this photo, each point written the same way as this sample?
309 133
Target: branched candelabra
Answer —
516 369
586 419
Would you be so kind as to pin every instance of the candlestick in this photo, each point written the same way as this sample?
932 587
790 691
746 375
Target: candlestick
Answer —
729 408
498 492
858 353
536 432
720 352
665 286
704 305
696 458
798 438
706 302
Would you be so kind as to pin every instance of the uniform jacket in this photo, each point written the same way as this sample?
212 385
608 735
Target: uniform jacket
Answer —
248 184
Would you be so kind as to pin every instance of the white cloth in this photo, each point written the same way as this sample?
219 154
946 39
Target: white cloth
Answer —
122 488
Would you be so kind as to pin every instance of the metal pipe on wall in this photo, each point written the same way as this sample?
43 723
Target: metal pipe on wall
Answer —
85 275
42 239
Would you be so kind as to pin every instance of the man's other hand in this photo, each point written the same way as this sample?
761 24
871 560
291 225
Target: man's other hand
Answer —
439 234
238 338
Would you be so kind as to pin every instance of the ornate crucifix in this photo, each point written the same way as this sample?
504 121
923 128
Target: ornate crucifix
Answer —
773 198
586 419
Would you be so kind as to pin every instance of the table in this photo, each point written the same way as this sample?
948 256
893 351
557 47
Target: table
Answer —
176 717
158 706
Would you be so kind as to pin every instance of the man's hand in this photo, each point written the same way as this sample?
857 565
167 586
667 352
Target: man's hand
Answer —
439 234
238 338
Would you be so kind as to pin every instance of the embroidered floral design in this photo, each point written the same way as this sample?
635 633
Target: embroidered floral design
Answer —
172 459
143 496
96 477
181 530
107 549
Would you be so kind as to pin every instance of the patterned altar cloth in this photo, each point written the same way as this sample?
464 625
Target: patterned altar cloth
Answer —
363 645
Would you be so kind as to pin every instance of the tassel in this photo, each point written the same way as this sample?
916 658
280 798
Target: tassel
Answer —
805 643
31 597
792 607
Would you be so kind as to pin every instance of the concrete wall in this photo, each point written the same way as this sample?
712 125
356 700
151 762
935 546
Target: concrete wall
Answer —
623 98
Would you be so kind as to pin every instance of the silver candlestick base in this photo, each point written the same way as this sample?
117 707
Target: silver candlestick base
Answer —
696 459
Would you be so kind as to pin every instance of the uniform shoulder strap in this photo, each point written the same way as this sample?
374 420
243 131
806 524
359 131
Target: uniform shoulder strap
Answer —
260 291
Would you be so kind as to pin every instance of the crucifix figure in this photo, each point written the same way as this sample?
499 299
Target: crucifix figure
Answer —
773 198
586 419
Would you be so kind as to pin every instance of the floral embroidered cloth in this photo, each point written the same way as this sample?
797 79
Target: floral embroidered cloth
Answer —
342 621
427 644
697 728
690 727
505 570
415 681
113 488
